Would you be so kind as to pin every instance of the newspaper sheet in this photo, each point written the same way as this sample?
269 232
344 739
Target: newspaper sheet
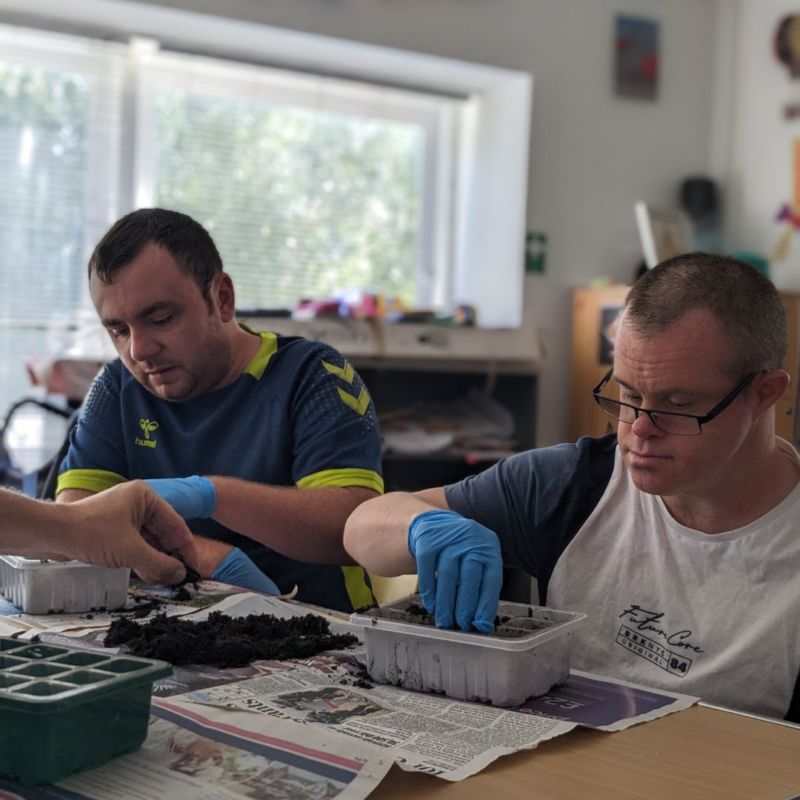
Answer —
193 753
140 598
605 704
430 733
203 598
423 732
331 696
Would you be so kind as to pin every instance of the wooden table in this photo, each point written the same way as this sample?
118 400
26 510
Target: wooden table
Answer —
696 754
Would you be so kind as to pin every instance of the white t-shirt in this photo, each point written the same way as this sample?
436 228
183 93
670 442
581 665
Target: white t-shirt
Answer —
712 615
717 616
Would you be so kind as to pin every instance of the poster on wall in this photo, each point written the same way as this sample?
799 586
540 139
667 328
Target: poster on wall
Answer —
636 57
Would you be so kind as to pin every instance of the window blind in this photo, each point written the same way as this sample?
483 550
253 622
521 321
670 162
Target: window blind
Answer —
60 100
309 185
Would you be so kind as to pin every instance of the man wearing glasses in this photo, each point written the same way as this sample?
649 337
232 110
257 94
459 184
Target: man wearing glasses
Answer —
678 535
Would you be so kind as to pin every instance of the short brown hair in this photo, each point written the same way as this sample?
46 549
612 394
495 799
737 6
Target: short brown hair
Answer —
186 240
745 302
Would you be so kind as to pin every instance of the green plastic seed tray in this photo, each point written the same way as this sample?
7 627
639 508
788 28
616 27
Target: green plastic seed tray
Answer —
63 709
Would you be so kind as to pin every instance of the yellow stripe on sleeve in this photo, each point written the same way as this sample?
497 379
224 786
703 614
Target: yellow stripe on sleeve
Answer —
89 480
355 582
347 476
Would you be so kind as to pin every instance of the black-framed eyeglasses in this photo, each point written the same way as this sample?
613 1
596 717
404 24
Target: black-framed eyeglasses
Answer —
667 421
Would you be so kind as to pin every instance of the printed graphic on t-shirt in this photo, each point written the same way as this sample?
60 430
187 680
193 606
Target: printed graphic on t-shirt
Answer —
358 402
148 428
643 634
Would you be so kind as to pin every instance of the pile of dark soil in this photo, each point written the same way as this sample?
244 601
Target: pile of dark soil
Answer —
223 641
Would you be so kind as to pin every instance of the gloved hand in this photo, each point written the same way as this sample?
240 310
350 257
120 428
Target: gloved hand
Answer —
192 497
460 569
239 570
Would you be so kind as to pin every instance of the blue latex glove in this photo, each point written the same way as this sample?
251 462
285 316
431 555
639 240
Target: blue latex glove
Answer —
192 498
239 570
460 569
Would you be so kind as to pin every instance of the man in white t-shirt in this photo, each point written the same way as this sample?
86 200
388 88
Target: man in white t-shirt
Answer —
677 535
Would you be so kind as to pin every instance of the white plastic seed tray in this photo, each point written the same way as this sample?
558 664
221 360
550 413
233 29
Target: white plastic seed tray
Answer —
72 587
528 653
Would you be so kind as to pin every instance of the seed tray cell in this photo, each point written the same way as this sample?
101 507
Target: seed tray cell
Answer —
71 587
527 654
63 710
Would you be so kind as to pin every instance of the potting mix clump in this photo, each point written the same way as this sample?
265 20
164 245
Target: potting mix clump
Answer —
223 641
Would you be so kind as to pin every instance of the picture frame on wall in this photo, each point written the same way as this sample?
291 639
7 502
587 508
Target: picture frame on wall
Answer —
637 57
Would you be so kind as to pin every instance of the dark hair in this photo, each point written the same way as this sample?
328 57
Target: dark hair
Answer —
187 241
745 302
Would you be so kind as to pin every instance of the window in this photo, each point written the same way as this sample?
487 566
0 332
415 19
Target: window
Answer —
308 182
309 185
59 117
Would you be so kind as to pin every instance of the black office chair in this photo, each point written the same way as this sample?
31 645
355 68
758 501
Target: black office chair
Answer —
41 482
47 486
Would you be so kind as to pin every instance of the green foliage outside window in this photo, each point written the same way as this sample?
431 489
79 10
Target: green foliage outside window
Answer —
301 203
43 157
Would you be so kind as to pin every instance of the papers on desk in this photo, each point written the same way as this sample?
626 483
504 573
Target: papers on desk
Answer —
319 728
430 733
420 732
605 704
196 753
208 596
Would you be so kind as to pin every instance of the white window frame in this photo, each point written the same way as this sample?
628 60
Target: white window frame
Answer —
493 148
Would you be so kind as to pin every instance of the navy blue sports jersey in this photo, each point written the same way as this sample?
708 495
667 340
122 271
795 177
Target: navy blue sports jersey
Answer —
299 415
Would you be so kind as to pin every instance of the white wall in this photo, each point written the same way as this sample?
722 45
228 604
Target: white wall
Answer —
592 154
752 140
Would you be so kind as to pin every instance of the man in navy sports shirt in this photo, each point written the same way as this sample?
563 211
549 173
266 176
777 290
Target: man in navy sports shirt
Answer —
264 443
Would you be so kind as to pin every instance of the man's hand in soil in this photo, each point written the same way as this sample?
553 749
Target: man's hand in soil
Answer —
222 562
193 498
460 569
239 570
126 526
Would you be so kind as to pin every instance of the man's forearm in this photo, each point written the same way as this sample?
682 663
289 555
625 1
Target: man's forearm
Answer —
305 524
376 533
72 495
30 528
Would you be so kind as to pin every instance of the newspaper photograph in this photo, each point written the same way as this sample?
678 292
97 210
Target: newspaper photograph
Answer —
207 754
